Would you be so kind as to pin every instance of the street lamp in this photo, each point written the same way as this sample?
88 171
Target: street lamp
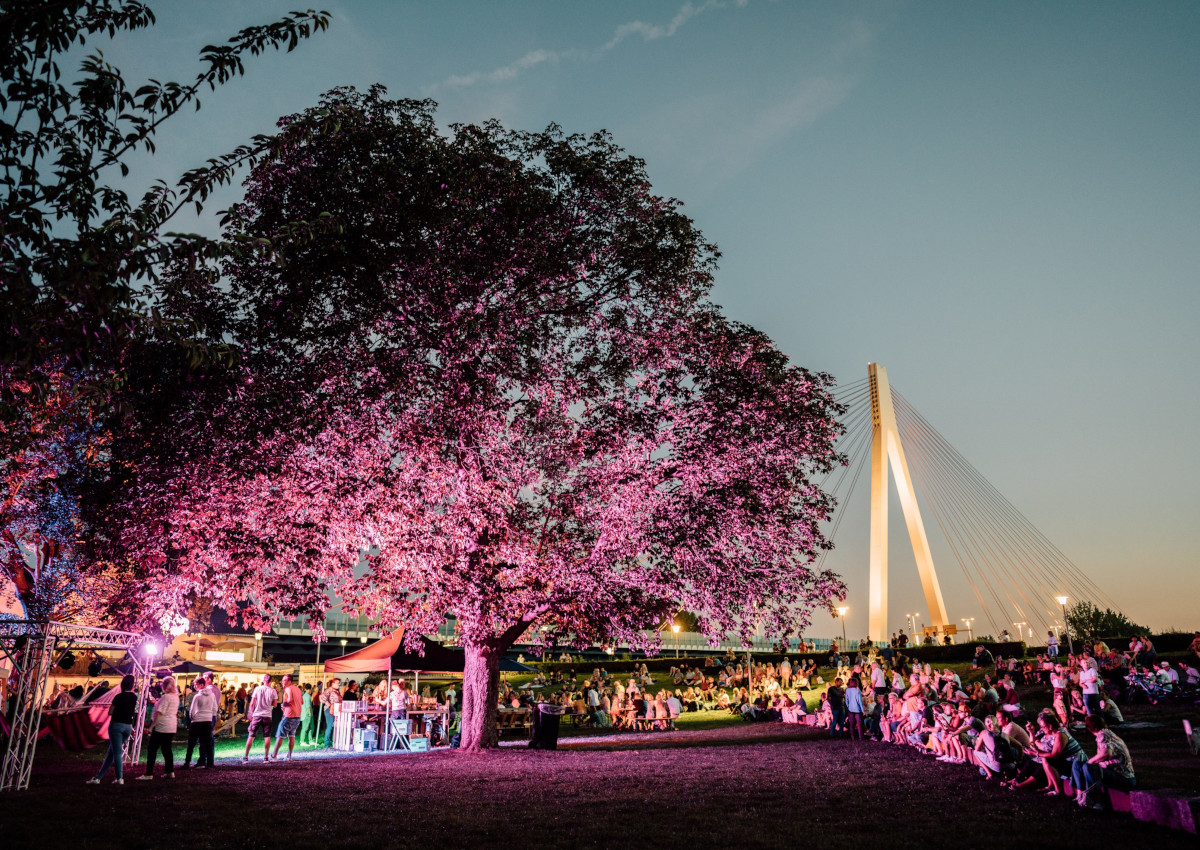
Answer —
675 629
842 613
912 625
1062 602
344 642
258 646
970 631
362 638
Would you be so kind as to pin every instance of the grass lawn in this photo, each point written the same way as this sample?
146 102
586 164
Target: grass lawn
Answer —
770 785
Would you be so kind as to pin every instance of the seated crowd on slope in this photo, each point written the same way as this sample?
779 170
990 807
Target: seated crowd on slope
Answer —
879 695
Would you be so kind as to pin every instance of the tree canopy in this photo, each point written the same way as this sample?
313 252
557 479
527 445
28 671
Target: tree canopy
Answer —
80 257
1087 621
492 385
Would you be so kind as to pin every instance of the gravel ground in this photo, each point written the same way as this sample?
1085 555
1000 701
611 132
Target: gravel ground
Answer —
763 785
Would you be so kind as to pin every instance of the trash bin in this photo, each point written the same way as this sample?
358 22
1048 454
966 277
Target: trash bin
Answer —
545 727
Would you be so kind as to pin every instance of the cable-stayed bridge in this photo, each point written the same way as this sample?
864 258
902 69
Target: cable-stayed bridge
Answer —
1015 573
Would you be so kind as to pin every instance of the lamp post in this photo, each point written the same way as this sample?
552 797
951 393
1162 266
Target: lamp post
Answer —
675 629
1062 603
362 638
344 642
842 613
258 646
970 631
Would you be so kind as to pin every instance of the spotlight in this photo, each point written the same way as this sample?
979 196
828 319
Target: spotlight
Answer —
67 661
95 668
150 650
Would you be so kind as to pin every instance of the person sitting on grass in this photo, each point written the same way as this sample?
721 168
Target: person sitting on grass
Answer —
1077 710
893 719
1028 771
1063 750
991 749
944 717
688 699
1110 767
962 738
824 714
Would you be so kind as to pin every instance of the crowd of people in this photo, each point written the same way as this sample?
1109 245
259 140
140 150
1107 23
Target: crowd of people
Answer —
985 726
876 694
276 709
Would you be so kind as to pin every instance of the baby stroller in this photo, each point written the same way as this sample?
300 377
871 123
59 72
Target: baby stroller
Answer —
1148 684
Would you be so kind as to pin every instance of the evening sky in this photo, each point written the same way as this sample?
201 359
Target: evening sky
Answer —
999 202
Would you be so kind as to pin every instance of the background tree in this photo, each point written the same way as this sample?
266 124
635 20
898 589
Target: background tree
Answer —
79 258
1090 623
496 389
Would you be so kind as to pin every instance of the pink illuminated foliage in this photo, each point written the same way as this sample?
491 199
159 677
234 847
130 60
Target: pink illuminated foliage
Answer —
493 387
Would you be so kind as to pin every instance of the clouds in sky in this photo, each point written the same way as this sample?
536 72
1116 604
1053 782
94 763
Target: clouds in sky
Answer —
722 128
534 58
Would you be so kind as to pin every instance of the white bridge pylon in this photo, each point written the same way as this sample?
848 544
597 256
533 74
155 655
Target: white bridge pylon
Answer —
887 451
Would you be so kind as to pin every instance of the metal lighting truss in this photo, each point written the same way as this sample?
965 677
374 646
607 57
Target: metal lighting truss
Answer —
32 649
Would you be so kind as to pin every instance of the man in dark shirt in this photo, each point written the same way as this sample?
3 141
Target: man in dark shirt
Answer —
837 708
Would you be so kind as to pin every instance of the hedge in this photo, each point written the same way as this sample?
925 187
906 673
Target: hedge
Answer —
962 652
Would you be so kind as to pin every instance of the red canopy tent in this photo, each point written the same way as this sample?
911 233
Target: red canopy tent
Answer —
388 655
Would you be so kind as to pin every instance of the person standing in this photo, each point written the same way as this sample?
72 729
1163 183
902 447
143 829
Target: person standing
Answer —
121 714
331 704
854 708
292 703
1089 683
306 715
262 701
879 683
163 724
314 700
203 714
837 709
1051 644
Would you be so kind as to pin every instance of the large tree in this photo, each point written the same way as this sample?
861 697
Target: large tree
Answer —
80 255
494 388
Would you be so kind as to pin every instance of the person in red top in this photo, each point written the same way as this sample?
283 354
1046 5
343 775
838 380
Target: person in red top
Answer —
290 702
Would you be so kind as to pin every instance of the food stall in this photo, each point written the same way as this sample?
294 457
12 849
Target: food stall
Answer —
352 725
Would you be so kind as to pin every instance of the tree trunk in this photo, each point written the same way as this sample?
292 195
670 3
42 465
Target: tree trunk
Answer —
481 690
